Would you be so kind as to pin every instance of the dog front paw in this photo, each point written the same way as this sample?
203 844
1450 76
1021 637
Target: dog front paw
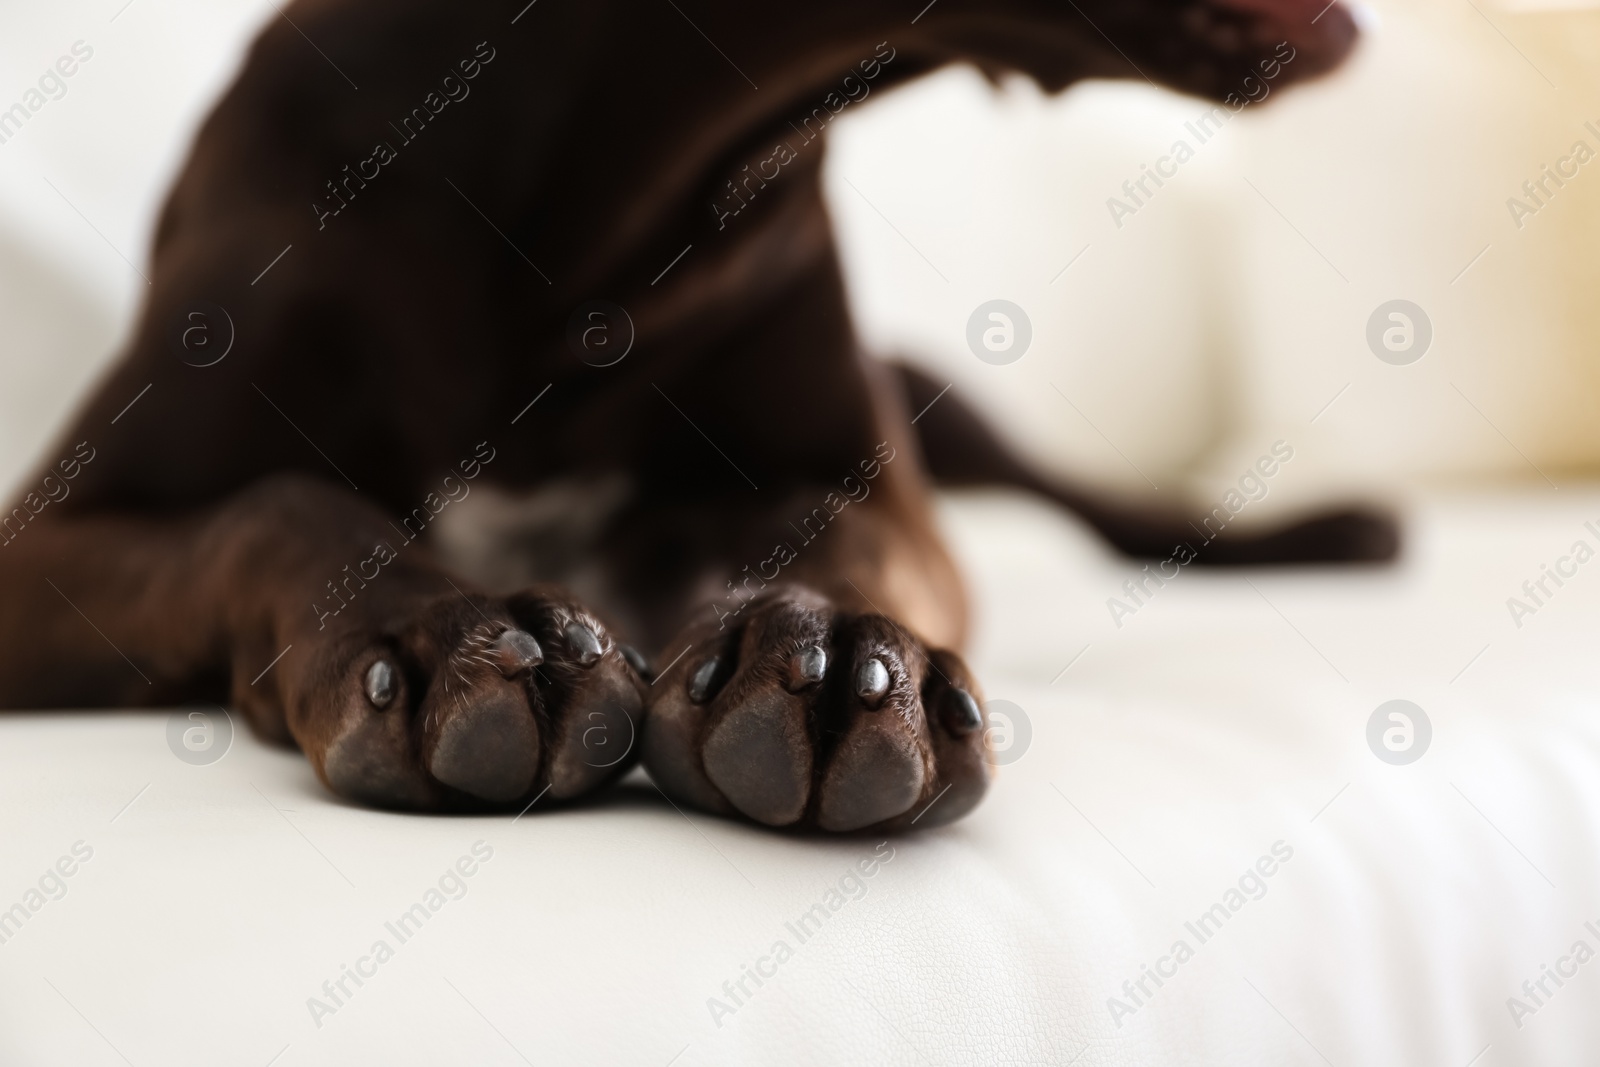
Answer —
807 716
470 703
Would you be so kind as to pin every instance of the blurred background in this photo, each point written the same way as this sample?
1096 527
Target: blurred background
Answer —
1170 350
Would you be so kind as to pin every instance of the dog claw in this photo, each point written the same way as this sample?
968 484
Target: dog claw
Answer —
806 667
961 713
700 682
872 682
585 644
380 684
516 651
640 665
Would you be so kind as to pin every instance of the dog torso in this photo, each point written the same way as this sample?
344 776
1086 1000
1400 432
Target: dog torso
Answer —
466 254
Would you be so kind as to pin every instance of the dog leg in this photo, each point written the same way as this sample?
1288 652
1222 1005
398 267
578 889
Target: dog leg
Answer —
405 687
962 451
825 701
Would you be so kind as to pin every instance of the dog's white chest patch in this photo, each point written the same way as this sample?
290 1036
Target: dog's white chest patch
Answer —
506 541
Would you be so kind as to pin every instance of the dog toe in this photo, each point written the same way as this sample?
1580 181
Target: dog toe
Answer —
959 741
759 756
672 732
877 772
589 690
599 729
486 745
880 764
368 757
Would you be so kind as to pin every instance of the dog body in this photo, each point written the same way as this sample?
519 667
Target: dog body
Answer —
455 255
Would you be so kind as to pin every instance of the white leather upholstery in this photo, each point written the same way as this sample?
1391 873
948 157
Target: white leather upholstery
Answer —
1170 757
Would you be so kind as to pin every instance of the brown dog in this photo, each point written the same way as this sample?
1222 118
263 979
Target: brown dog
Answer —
424 252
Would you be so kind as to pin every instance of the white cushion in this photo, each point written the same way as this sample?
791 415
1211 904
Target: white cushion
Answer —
1170 757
